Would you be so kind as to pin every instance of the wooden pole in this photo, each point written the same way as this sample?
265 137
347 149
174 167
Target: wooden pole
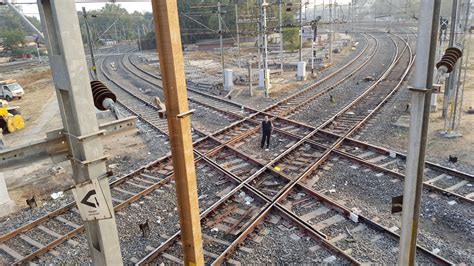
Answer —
168 40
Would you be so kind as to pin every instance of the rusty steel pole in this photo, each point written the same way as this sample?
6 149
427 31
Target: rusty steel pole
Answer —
168 40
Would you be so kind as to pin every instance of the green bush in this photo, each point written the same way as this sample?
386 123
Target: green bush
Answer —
291 38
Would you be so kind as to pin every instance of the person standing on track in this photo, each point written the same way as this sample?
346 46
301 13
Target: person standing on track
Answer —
267 127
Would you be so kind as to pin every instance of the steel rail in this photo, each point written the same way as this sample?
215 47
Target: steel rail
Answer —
160 248
285 192
122 179
190 97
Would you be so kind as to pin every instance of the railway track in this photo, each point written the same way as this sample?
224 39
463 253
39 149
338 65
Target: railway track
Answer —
244 181
36 248
21 65
271 169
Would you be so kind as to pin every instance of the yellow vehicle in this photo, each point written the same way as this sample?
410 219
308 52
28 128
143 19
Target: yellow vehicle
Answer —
10 118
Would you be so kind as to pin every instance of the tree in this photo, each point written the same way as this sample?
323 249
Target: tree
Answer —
291 38
11 29
12 38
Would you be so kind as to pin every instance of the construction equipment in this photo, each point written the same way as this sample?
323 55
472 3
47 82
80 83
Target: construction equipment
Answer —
10 118
10 89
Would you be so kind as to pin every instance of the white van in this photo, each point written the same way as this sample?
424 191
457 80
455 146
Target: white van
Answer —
10 90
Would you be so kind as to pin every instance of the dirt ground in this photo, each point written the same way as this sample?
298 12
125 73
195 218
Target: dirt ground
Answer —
462 146
40 109
439 147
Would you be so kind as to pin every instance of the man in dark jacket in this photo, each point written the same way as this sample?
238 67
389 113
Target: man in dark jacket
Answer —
267 127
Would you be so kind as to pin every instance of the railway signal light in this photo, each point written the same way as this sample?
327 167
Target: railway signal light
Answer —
449 59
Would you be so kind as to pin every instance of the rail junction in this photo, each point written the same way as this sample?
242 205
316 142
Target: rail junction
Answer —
318 195
250 196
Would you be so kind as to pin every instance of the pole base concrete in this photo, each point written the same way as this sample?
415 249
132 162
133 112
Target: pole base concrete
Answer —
7 208
301 71
7 205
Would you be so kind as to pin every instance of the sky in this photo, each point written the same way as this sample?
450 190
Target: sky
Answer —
30 8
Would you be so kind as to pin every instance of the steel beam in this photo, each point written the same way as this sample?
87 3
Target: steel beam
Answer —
55 145
71 80
419 119
168 39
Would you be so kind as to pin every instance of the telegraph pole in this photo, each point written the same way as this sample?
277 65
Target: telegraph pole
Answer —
116 37
322 14
456 110
259 45
168 41
451 78
250 78
419 119
266 74
94 68
139 39
375 14
220 37
390 17
280 3
301 30
237 29
330 31
313 48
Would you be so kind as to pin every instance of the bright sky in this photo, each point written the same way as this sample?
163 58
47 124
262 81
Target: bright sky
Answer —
31 8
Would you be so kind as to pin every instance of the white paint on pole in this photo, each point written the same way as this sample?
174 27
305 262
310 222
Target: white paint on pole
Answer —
91 201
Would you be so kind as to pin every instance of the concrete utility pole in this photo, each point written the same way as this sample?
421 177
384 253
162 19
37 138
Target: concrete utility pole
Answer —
301 30
456 110
220 39
419 119
250 78
237 29
69 69
139 39
266 73
313 45
91 51
440 49
168 41
259 41
330 31
322 14
280 18
466 64
390 17
451 78
116 38
375 14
